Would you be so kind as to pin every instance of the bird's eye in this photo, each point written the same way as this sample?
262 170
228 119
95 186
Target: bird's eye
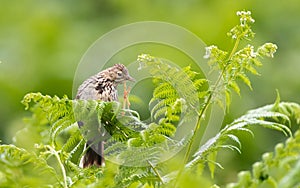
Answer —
119 73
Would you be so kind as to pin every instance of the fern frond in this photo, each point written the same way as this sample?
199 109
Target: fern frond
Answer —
91 114
233 84
164 90
85 110
113 148
54 107
231 147
74 144
198 83
60 126
161 107
166 129
71 143
200 155
276 169
235 139
141 157
136 177
29 169
178 79
245 79
176 99
270 116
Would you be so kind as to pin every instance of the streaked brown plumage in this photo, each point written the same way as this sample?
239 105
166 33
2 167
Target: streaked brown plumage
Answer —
102 86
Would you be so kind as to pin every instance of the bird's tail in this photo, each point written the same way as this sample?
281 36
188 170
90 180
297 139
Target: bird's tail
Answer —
93 156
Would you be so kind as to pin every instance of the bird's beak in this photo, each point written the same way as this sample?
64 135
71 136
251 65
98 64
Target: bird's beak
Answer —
129 78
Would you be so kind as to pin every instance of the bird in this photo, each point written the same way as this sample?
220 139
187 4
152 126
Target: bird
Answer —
101 86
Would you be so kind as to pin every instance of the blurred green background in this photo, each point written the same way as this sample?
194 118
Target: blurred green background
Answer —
42 42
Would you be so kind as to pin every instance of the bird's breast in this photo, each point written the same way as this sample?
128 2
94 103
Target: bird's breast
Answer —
98 88
107 91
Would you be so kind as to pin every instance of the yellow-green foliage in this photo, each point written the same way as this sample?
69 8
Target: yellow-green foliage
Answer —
59 128
280 168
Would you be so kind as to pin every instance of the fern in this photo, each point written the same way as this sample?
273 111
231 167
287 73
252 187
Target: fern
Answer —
181 100
59 126
86 112
149 143
20 168
172 83
274 116
235 65
277 169
73 144
150 147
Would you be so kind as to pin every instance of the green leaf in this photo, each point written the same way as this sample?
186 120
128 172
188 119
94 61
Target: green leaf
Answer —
252 70
231 147
212 165
58 127
21 168
235 87
235 139
245 79
228 98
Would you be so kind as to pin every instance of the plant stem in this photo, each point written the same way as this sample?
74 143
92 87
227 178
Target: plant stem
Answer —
156 172
63 170
237 42
203 110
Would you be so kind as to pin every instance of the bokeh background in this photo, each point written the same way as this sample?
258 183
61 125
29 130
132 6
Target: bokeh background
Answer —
42 42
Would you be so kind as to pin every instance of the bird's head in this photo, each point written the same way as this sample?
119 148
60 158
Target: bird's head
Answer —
119 74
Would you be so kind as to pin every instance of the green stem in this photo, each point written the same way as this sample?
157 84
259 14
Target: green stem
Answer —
203 111
237 42
156 172
63 170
